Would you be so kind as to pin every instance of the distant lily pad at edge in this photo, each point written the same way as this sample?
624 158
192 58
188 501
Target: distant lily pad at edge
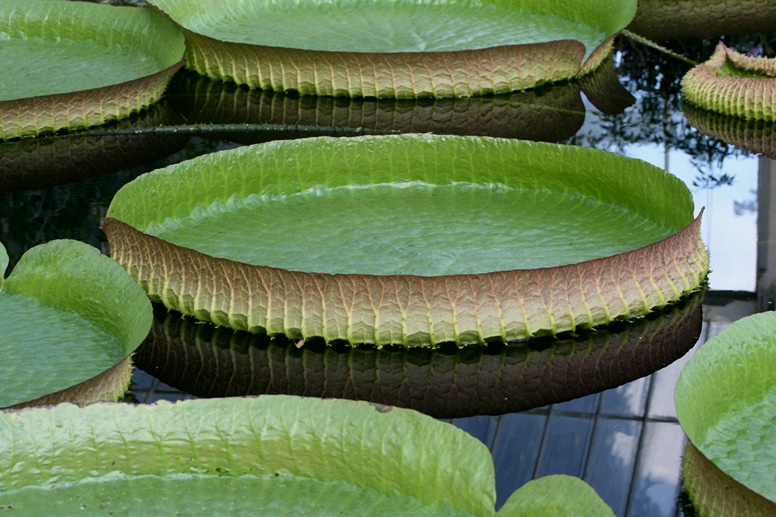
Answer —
273 455
733 84
74 64
726 402
69 314
417 239
397 49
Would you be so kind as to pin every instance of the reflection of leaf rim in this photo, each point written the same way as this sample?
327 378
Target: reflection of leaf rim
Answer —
755 136
395 452
31 116
209 361
712 395
706 85
460 73
593 292
72 277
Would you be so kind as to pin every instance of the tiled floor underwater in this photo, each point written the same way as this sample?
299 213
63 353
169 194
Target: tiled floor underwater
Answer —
626 442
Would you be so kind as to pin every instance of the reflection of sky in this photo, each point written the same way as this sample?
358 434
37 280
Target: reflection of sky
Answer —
730 238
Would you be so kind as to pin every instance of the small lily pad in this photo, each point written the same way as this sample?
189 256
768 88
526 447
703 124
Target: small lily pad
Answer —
733 84
72 64
402 48
69 314
416 240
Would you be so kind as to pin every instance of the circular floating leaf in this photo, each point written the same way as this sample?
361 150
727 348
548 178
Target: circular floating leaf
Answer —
726 402
402 48
411 239
733 84
69 314
272 455
755 136
71 64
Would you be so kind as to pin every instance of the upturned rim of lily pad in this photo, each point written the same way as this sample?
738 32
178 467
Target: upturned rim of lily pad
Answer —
469 303
713 492
138 49
725 399
71 319
282 453
733 84
229 43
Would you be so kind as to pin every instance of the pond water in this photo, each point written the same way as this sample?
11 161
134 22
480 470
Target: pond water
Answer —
624 441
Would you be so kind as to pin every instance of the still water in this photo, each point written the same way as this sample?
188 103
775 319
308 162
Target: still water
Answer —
624 441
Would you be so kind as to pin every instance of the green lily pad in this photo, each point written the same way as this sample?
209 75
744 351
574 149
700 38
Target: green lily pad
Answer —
69 314
71 64
402 48
417 239
726 402
449 382
272 455
733 84
559 496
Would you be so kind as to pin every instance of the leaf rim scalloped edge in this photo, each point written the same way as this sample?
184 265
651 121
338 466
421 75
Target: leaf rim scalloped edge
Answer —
31 116
592 290
461 73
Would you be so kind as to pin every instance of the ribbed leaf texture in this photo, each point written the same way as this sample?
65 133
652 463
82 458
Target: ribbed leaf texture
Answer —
715 494
209 361
73 65
397 49
726 402
733 84
424 302
668 19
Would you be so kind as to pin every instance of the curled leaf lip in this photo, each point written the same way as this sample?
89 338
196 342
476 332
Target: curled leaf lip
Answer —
408 309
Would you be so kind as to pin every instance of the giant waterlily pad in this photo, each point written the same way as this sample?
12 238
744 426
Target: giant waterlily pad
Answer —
71 64
401 48
726 403
270 456
733 84
409 239
449 382
69 314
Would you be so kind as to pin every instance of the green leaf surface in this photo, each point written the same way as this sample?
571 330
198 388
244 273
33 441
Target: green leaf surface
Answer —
402 25
559 496
411 239
302 454
415 205
69 314
274 455
51 47
726 401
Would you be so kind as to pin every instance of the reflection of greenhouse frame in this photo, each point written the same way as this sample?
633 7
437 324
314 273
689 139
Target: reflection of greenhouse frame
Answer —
561 40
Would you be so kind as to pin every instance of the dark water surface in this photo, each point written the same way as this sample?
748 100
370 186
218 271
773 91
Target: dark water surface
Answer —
624 441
